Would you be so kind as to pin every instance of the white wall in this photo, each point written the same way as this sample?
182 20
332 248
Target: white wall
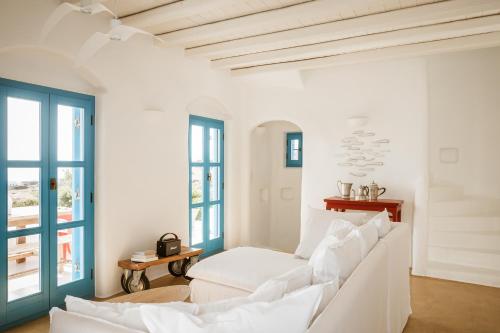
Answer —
464 109
141 157
275 189
394 97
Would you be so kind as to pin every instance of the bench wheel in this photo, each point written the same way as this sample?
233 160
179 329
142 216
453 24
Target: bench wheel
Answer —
186 265
142 283
175 268
123 282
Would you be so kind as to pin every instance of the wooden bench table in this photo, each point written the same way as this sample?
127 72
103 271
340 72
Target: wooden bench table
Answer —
393 206
134 273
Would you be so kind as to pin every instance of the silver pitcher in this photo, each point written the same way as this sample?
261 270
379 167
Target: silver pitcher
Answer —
361 193
374 192
344 189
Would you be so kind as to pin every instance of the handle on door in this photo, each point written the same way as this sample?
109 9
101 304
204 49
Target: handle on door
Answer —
209 176
53 184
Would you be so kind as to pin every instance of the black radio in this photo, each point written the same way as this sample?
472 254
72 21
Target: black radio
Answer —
168 246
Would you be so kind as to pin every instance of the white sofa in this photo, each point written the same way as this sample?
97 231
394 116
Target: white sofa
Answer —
375 298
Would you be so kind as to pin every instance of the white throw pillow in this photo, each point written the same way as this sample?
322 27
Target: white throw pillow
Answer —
336 258
68 322
269 291
290 314
317 225
368 235
125 314
330 289
382 222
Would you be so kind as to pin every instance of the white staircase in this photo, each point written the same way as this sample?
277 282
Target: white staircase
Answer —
464 237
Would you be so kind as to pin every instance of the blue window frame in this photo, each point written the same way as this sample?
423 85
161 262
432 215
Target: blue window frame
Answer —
206 184
294 150
60 241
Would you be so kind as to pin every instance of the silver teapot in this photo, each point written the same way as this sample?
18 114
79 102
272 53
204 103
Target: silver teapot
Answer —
374 191
361 193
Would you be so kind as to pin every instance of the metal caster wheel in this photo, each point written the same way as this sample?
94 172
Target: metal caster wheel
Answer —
175 268
136 283
186 265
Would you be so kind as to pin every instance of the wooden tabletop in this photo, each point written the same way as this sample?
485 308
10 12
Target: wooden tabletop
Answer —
365 202
178 293
186 252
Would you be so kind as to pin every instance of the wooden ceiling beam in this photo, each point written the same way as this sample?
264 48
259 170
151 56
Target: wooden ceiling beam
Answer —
172 11
435 13
375 41
246 25
486 40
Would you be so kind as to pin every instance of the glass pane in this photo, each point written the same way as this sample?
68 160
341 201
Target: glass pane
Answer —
69 194
23 198
196 226
69 255
294 143
196 143
23 266
214 221
23 129
214 144
197 184
214 183
69 133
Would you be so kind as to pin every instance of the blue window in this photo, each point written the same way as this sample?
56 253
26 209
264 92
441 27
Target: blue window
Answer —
46 199
206 184
294 150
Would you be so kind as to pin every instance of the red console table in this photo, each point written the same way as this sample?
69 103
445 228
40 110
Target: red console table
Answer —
392 206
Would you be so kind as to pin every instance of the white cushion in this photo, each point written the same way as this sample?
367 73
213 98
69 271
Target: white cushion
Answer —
291 314
382 222
336 258
244 268
368 235
317 225
66 322
126 314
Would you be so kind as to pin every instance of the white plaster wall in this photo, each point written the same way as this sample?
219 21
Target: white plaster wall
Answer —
275 215
394 97
464 108
141 156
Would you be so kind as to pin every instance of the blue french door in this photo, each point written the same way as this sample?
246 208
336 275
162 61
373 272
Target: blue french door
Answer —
206 184
46 199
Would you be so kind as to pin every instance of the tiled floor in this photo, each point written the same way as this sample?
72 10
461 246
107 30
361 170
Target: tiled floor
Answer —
439 306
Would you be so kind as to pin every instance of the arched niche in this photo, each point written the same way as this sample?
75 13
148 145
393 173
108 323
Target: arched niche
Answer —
275 189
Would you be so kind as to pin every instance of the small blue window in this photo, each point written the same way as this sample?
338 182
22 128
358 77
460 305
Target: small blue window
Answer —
294 150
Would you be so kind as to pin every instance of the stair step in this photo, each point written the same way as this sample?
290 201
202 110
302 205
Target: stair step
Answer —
465 207
478 258
482 240
445 192
465 223
487 277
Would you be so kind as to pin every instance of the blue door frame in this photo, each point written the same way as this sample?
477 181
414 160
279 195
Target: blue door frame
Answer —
212 204
32 306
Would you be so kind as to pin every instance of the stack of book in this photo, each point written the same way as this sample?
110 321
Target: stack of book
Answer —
144 256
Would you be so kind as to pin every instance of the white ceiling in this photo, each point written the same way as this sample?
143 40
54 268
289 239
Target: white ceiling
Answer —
248 36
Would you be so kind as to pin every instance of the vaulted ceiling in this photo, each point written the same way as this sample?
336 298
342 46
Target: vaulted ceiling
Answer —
248 36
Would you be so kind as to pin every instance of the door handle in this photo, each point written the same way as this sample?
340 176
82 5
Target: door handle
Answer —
209 176
53 184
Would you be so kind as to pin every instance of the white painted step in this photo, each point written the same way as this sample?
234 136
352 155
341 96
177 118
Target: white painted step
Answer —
465 207
445 192
465 223
487 259
487 277
478 240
